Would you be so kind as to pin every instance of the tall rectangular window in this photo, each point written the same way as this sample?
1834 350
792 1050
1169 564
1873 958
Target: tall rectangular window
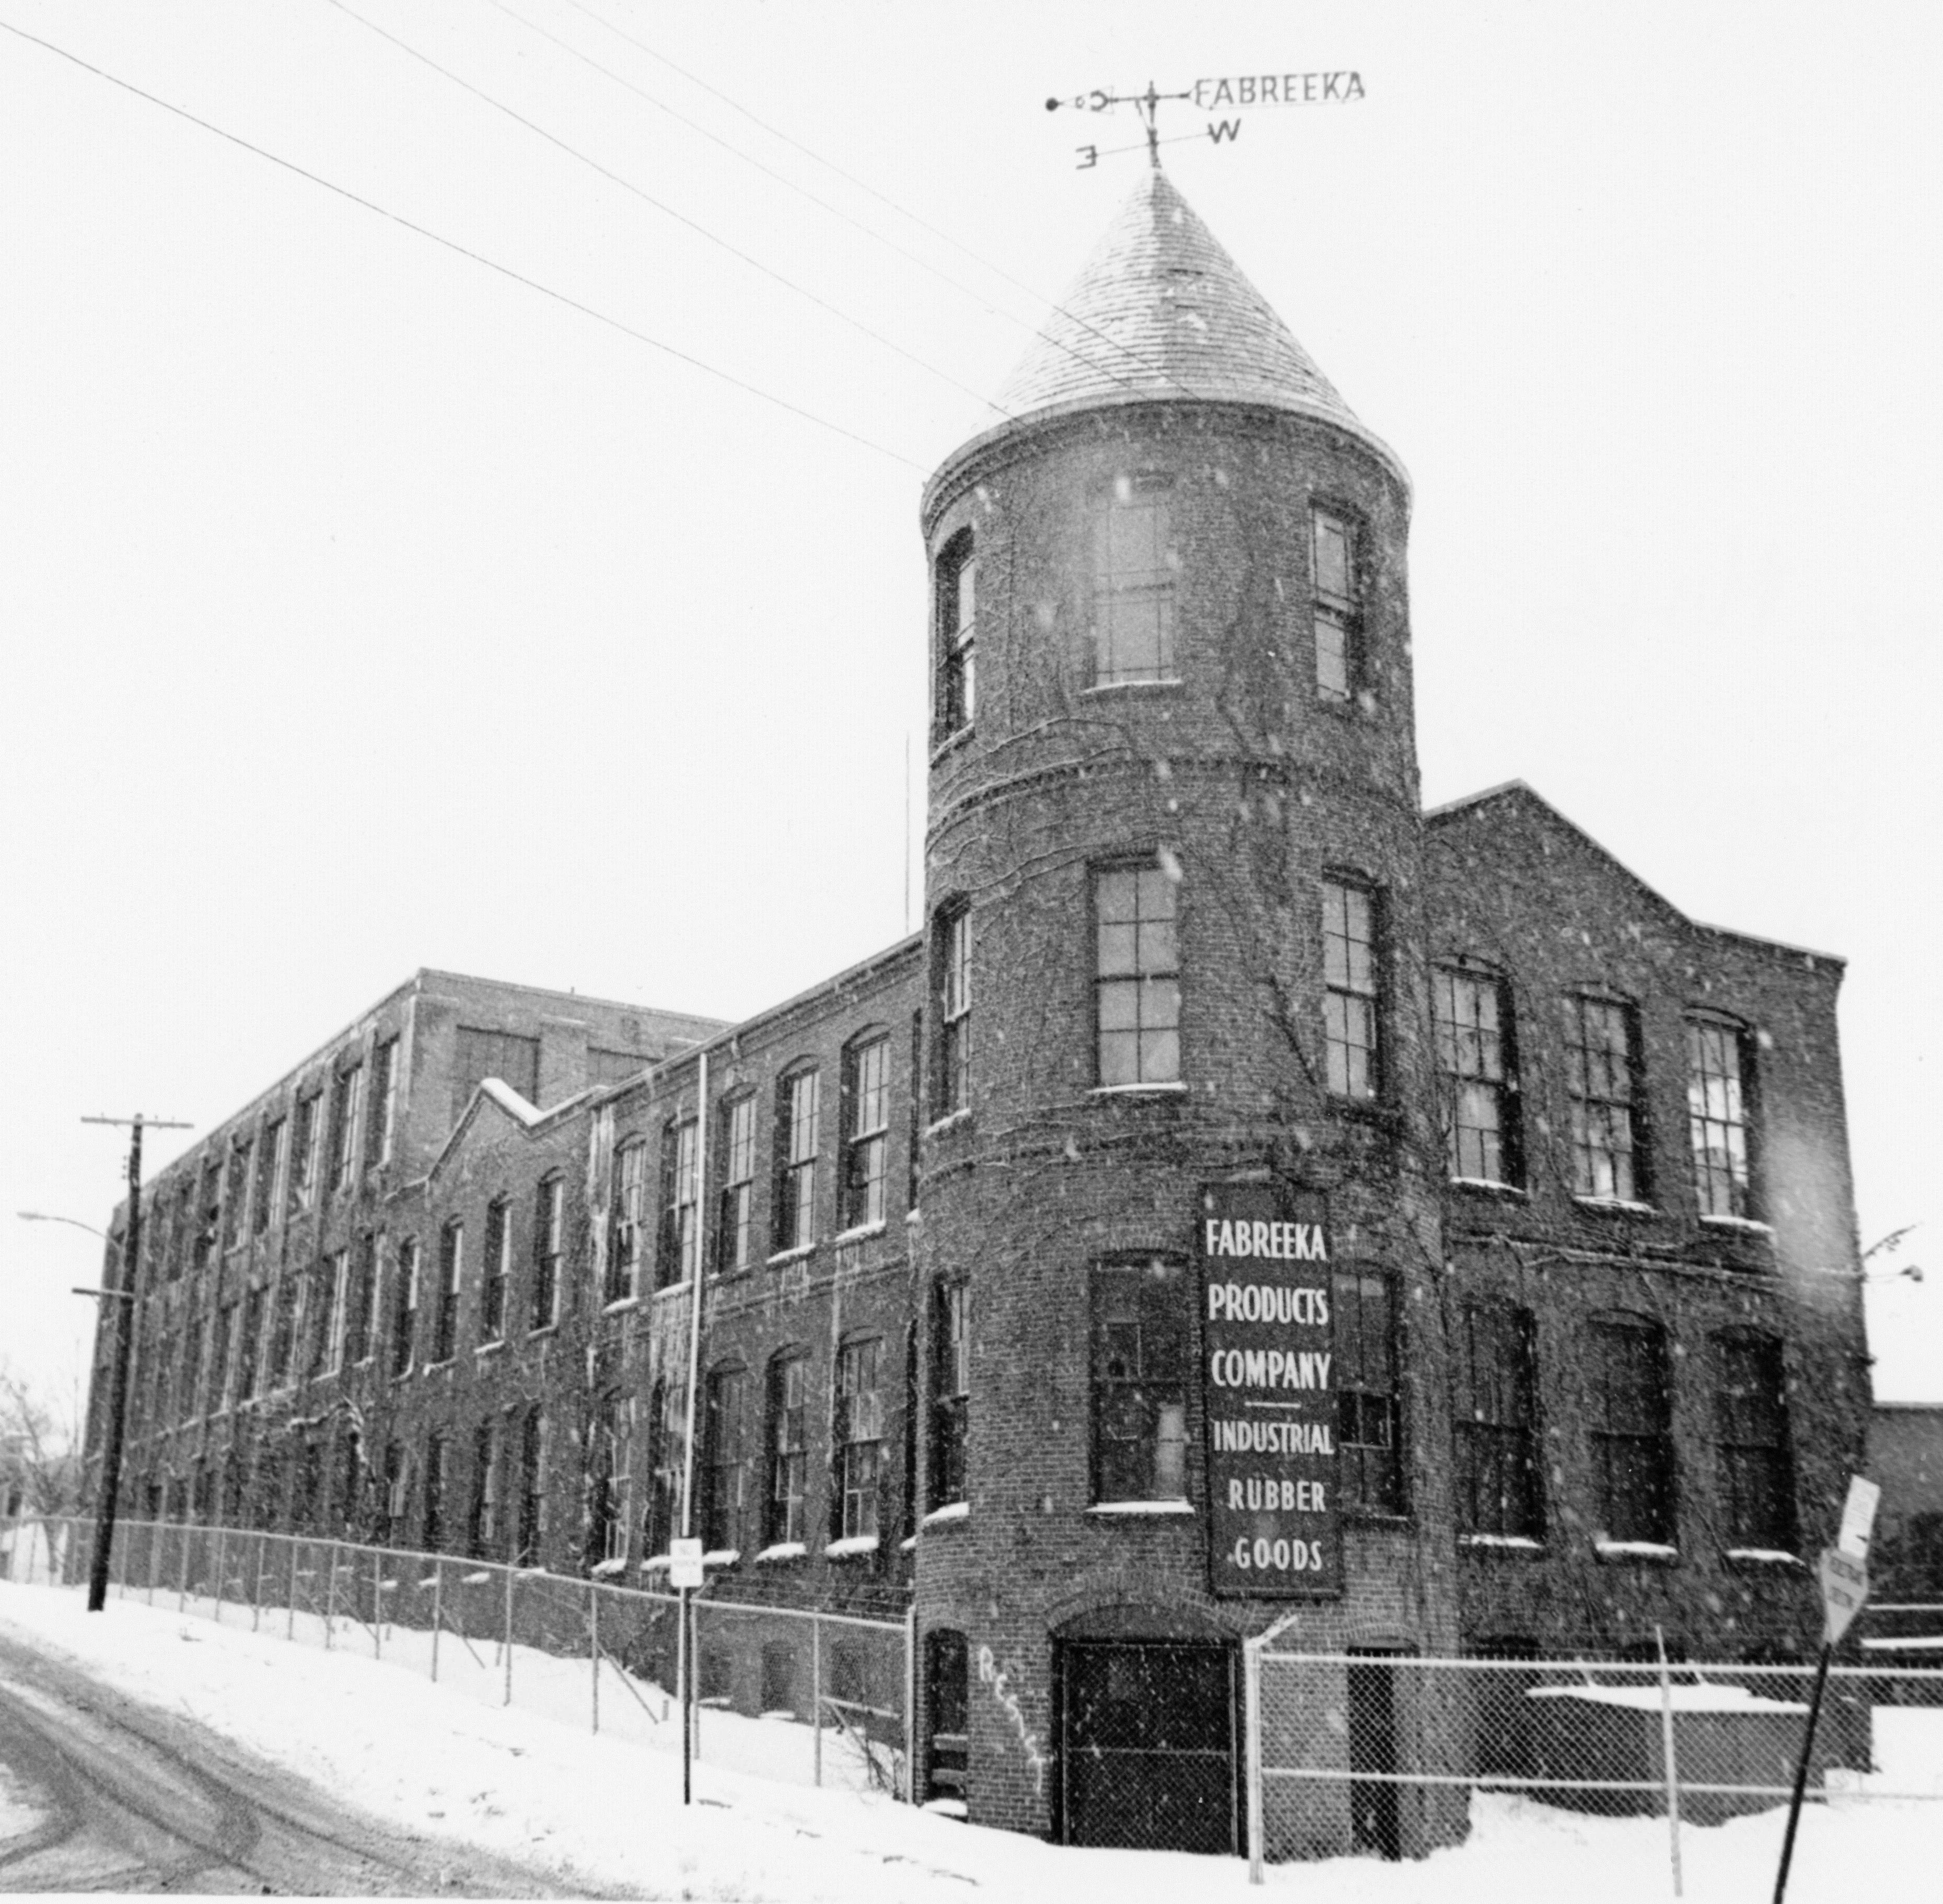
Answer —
347 1108
630 1216
1496 1411
1473 1054
269 1173
1338 611
735 1241
331 1292
1601 1079
361 1313
866 1125
222 1334
951 1082
405 1306
249 1349
431 1523
483 1534
1757 1472
549 1213
1140 1359
1136 984
496 1271
209 1216
1349 997
667 1463
957 608
1133 592
451 1267
284 1340
950 1391
236 1193
306 1135
382 1133
1369 1437
789 1447
797 1109
859 1430
532 1488
1631 1428
1717 1117
727 1428
675 1261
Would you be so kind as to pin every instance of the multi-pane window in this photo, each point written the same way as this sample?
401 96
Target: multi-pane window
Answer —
284 1342
1757 1472
249 1349
624 1235
735 1241
223 1332
236 1193
859 1434
1368 1433
484 1530
607 1485
1338 615
1631 1428
269 1168
1494 1406
1601 1081
549 1215
1473 1054
789 1447
306 1134
727 1428
496 1271
1136 983
431 1523
1717 1117
1141 1358
451 1266
798 1100
668 1446
867 1124
1349 997
950 1391
209 1216
361 1310
674 1262
405 1306
532 1488
346 1106
951 1081
330 1292
381 1134
1133 594
957 634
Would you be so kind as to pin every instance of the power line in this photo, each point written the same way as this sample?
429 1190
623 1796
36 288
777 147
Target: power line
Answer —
647 198
958 244
464 251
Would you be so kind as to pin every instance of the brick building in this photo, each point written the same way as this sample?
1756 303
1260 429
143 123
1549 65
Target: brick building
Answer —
1545 1185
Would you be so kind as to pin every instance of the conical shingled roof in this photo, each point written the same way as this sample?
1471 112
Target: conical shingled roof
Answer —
1160 310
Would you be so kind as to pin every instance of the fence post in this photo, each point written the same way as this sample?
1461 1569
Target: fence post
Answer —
377 1603
1251 1747
816 1694
509 1699
291 1625
256 1591
438 1611
330 1598
221 1576
594 1643
182 1572
156 1530
1671 1767
910 1706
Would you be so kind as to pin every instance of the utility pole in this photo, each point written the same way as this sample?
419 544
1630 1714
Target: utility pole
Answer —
123 1301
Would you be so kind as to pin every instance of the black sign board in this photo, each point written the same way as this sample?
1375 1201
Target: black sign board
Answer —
1268 1395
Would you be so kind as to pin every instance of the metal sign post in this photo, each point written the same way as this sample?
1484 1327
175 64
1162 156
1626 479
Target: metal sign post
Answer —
1843 1572
684 1575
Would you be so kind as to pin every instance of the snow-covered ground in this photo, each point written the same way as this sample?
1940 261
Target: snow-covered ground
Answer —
531 1781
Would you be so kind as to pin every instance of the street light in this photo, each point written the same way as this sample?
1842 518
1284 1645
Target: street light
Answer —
75 1223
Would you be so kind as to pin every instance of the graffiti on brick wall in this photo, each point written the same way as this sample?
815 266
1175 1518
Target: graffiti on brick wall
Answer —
989 1674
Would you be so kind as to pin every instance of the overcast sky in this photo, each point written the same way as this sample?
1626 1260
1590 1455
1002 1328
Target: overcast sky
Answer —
365 608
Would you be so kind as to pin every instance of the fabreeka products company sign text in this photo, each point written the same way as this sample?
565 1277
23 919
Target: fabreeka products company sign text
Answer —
1268 1395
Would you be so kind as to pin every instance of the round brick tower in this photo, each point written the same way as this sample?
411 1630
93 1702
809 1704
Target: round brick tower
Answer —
1173 883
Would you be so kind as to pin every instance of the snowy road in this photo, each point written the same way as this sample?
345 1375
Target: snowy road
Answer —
99 1792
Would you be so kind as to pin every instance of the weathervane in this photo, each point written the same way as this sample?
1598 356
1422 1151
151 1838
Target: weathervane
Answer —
1251 89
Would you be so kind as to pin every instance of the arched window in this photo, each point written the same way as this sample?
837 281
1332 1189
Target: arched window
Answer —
867 1128
956 599
627 1227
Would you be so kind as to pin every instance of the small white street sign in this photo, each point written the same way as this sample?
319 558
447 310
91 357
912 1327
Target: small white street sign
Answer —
685 1563
1845 1585
1858 1517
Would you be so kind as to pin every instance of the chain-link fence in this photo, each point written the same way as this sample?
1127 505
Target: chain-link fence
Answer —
783 1692
1390 1755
